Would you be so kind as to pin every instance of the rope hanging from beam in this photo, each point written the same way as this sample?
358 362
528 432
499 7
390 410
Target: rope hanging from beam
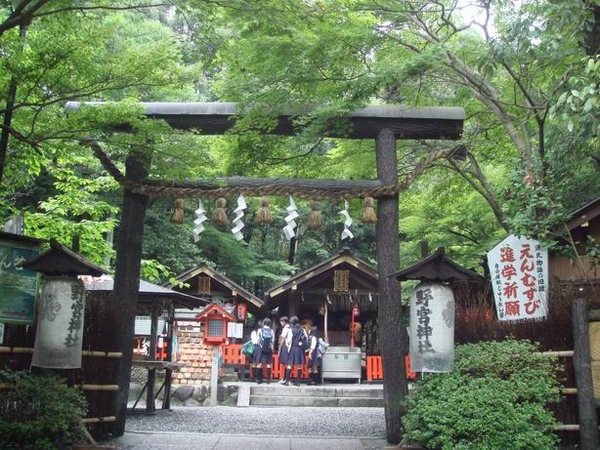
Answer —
308 189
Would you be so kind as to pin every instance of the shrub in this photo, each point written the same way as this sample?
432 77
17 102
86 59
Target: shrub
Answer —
39 412
497 397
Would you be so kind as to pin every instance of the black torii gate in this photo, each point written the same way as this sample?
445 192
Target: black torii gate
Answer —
385 124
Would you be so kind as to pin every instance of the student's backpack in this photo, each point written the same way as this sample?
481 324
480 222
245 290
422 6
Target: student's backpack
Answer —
322 346
266 340
248 348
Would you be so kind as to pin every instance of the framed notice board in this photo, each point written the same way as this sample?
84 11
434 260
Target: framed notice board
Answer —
18 286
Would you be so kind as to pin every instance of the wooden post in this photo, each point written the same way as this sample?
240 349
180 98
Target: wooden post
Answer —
389 315
120 312
214 376
325 319
588 422
169 372
150 405
292 302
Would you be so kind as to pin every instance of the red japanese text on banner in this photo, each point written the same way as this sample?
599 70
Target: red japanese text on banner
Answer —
519 272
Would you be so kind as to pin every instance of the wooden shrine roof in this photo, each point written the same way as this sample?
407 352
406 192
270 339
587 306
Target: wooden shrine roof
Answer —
20 239
147 292
437 267
215 118
364 278
584 214
224 287
60 261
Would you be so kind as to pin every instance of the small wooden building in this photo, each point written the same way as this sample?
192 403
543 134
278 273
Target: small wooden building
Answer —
153 330
207 283
326 295
211 286
154 317
579 273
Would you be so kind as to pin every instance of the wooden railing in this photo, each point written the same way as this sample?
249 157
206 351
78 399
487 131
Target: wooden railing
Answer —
232 356
375 368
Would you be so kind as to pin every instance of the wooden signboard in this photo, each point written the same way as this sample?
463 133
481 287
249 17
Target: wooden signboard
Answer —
17 285
594 329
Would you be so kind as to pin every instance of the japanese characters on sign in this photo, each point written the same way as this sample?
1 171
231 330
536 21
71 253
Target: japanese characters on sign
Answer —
59 336
17 285
432 328
423 329
75 326
519 272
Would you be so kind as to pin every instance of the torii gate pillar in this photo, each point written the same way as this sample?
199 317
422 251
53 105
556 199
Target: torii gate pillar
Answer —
389 315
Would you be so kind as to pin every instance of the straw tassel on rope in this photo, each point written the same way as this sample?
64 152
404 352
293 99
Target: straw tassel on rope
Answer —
369 215
315 220
263 215
219 217
177 216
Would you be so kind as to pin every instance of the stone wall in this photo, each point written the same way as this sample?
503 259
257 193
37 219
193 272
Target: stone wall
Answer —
185 395
193 353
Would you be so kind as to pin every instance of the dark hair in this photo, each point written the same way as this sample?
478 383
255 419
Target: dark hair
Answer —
258 324
284 319
266 322
294 320
313 331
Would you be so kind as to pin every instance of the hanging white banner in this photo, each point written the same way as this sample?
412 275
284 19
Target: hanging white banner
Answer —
290 228
519 272
432 328
238 224
200 214
346 234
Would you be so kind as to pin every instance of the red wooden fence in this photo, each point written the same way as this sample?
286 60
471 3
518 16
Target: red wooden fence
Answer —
232 356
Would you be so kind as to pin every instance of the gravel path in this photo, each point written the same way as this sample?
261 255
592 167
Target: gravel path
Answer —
265 421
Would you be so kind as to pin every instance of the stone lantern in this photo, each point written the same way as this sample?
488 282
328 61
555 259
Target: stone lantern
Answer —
61 307
431 331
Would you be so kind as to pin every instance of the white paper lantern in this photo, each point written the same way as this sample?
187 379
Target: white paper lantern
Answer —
59 334
432 328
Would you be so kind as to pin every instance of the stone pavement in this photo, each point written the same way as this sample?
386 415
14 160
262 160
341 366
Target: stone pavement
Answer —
195 441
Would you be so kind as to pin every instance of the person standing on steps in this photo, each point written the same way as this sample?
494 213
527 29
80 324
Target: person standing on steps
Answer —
266 344
255 353
314 357
285 342
296 353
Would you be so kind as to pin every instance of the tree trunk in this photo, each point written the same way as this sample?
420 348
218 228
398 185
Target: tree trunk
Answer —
389 317
8 112
121 312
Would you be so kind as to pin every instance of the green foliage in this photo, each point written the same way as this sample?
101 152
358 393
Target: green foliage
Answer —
496 397
442 210
75 207
533 212
334 56
40 413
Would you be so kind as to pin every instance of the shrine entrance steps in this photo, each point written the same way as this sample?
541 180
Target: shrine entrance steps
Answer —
323 395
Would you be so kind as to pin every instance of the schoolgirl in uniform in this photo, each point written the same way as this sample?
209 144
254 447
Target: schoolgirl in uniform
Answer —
256 353
296 352
284 343
265 351
314 357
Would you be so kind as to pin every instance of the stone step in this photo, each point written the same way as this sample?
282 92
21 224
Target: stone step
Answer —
276 389
292 401
316 396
